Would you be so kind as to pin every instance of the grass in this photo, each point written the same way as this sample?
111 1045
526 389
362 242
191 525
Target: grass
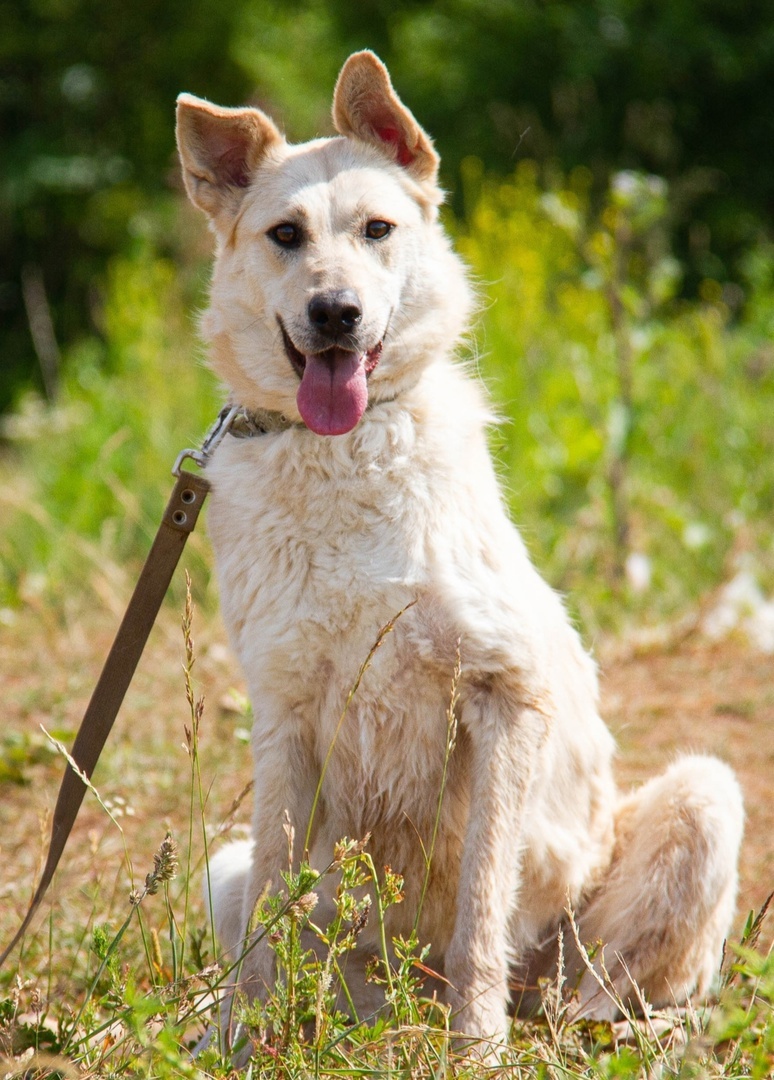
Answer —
636 426
636 432
84 483
120 981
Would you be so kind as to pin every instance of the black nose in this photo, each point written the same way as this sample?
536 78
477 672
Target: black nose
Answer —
335 314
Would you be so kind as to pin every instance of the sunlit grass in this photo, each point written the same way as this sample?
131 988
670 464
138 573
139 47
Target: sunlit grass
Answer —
125 985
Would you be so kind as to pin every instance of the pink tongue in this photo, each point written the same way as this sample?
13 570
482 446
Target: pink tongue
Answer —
333 393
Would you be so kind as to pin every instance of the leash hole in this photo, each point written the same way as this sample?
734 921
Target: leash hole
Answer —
179 517
188 496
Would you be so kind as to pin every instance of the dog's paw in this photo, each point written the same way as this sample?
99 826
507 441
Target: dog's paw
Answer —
250 979
480 1017
477 994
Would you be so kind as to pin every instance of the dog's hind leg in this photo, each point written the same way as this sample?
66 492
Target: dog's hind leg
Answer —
224 887
224 890
667 901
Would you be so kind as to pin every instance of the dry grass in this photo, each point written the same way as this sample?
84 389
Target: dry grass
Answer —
717 698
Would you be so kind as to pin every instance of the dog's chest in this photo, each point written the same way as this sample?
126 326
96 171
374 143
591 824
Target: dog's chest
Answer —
314 560
321 542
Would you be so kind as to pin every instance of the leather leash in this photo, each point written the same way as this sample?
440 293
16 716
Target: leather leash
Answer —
177 523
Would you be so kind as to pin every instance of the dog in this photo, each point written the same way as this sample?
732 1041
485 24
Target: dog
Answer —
336 307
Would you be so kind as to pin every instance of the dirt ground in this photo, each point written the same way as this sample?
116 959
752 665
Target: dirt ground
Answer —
710 698
717 698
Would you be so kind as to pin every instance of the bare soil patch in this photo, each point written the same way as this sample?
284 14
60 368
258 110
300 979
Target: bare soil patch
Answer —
716 699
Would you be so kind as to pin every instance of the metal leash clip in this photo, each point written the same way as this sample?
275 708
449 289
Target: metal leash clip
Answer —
226 419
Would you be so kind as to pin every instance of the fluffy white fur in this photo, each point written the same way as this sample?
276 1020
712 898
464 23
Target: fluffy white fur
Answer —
321 540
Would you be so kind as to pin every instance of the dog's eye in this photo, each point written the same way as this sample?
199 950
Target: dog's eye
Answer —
285 234
377 230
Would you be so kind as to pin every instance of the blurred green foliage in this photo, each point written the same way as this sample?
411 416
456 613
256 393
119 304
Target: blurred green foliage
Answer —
86 95
679 89
636 448
85 481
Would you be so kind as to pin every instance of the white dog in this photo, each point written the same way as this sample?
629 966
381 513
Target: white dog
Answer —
336 307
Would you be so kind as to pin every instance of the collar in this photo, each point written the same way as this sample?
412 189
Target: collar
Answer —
242 424
236 421
246 424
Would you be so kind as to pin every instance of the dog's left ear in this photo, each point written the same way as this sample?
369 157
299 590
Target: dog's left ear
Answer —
366 106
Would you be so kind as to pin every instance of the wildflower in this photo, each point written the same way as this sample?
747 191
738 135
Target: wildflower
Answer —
304 906
345 850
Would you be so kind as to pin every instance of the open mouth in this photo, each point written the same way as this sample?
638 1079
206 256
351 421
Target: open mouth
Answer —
298 359
333 394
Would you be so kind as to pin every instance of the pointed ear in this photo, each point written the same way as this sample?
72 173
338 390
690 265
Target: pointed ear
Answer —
366 107
220 150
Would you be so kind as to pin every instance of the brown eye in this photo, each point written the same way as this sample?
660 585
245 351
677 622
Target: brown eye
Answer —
285 234
377 230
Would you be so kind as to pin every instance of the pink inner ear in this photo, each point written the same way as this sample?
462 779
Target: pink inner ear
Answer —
392 136
232 167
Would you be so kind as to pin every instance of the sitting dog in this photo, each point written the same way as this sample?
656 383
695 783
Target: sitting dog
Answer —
336 307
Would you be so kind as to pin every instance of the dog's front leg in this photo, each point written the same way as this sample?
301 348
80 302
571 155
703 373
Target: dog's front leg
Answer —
505 736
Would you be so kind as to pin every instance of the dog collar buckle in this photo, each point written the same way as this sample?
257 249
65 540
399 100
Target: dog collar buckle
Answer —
226 418
236 421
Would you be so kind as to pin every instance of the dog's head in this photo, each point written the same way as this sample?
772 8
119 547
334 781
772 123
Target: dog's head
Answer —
333 281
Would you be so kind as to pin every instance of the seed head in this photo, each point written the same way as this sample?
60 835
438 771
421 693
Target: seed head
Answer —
165 865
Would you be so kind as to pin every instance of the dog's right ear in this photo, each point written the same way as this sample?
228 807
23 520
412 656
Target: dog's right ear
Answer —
220 150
